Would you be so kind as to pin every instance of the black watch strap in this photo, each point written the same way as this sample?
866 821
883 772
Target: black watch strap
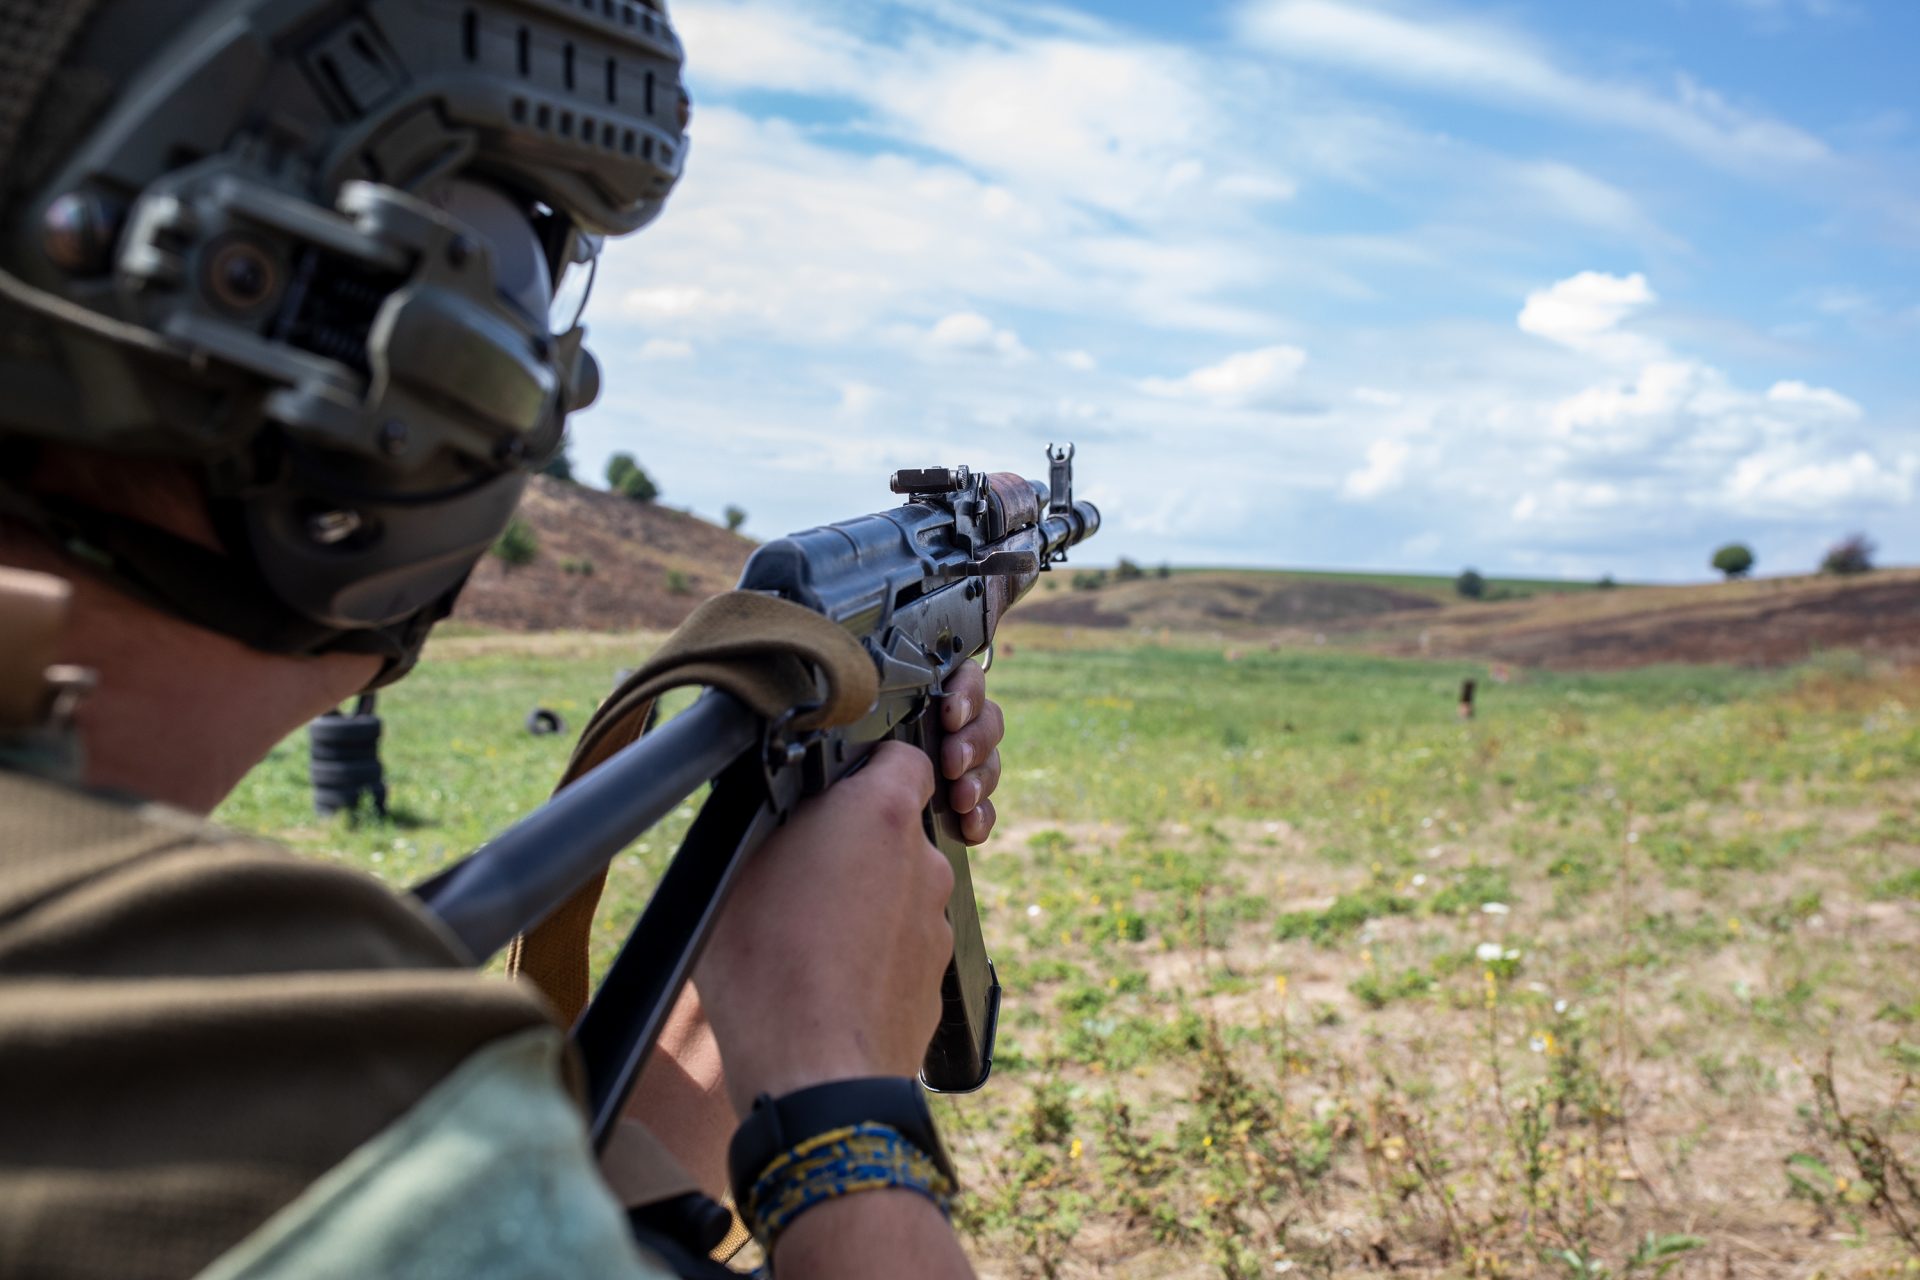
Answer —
776 1125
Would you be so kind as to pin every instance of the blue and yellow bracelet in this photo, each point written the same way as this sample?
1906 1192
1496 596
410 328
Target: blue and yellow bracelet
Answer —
840 1162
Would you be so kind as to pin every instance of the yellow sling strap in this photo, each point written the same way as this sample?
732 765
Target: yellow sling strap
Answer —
33 609
771 654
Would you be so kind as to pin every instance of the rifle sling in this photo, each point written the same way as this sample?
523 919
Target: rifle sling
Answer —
773 655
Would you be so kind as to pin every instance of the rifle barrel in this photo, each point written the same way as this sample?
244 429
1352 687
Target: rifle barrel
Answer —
515 880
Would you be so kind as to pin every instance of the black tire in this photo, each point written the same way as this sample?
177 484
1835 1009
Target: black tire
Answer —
541 722
344 731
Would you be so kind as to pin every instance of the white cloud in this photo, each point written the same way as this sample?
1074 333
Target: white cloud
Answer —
666 349
1079 361
1584 313
1819 400
1472 58
857 398
1248 379
1386 468
974 334
1796 478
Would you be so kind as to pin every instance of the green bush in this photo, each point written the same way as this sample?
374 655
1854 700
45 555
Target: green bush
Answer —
582 567
626 478
1090 580
517 544
1470 584
678 583
1735 560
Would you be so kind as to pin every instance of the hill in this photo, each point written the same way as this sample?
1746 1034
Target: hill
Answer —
1766 622
604 563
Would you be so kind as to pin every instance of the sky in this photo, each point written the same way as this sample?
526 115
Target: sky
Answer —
1538 287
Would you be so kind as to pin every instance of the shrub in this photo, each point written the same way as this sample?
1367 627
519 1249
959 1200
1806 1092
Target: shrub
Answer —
1164 571
582 567
1735 560
517 544
736 516
1853 554
1606 582
1127 571
1470 584
625 477
1090 580
678 583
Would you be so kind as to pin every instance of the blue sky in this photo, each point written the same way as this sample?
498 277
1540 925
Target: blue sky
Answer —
1555 288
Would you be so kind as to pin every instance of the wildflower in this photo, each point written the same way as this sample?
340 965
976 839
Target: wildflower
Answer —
1207 1141
1420 880
1542 1042
1495 908
1280 985
1073 1152
1487 952
1733 924
1559 1006
1033 912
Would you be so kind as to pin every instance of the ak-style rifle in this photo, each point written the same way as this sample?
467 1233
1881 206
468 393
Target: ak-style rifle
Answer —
922 586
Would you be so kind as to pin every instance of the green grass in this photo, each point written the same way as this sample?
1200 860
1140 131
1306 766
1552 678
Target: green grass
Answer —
1301 969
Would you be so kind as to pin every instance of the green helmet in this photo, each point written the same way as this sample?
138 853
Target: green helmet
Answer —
326 253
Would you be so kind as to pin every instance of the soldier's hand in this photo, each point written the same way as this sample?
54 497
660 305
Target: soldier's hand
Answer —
826 962
971 758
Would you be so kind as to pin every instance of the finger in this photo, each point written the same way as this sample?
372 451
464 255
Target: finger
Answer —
973 744
897 764
977 823
966 693
965 795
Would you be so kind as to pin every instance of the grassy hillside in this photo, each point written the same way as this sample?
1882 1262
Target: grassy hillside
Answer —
1305 974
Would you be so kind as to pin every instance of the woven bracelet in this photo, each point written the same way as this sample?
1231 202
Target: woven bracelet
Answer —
840 1162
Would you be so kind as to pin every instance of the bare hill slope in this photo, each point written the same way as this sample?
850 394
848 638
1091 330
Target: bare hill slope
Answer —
604 564
1233 600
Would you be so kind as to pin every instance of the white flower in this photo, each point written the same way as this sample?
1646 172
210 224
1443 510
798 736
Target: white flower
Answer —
1420 881
1495 908
1487 952
1033 912
1559 1006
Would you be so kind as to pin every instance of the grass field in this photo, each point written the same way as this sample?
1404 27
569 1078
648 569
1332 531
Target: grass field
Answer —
1306 975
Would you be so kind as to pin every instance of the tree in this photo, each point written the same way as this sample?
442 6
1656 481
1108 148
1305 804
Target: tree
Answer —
1606 582
736 516
625 477
1470 584
1127 571
517 544
1852 554
1735 560
619 467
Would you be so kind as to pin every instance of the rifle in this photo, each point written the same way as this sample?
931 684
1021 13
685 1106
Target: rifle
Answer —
923 587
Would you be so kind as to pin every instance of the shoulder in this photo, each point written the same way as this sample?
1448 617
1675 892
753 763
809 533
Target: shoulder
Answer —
195 1026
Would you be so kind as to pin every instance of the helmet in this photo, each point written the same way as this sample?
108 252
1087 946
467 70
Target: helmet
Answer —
326 254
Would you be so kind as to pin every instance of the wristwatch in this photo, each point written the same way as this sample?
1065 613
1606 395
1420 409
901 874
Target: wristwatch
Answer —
776 1126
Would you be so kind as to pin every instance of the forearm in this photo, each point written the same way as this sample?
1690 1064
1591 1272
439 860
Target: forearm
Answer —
873 1235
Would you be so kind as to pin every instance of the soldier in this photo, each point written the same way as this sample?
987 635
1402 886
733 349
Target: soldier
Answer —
287 318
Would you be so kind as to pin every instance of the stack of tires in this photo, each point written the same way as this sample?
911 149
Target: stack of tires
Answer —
344 760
